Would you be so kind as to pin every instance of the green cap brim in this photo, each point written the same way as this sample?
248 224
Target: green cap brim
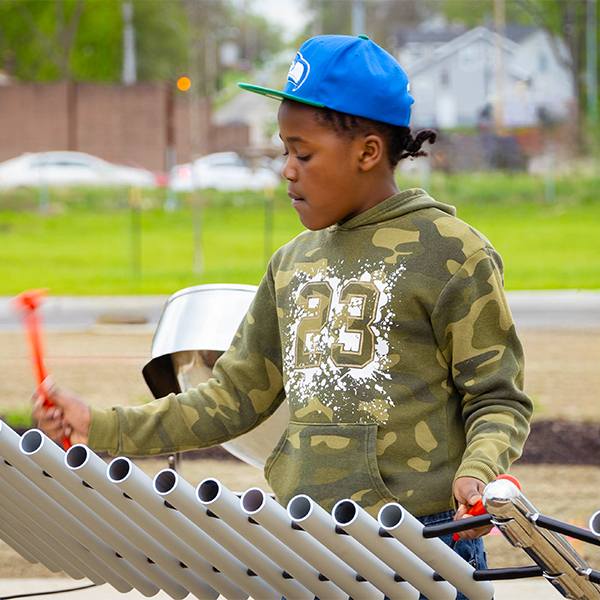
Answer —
276 94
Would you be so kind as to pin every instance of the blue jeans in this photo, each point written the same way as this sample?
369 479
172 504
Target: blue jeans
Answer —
471 550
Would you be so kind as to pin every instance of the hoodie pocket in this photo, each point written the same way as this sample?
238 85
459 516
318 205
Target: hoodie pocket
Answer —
328 462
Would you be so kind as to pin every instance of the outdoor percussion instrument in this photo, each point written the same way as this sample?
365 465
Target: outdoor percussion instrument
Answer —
112 524
197 325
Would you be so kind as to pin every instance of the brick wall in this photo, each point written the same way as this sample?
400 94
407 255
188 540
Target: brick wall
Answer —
129 125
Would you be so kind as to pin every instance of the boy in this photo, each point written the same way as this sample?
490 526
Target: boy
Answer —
385 325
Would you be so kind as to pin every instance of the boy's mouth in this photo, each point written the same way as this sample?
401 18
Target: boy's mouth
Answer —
295 199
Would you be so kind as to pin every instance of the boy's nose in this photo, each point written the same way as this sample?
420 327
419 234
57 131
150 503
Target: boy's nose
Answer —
288 171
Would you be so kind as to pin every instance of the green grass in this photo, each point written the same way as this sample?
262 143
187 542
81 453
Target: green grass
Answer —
85 243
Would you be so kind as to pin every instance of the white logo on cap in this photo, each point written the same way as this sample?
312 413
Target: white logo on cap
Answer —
298 72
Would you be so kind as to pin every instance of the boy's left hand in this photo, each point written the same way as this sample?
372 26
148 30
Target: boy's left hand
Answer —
467 491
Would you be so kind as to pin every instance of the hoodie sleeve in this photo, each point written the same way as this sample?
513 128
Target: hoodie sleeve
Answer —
246 389
477 337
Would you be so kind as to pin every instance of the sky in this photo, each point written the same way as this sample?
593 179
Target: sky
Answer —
291 15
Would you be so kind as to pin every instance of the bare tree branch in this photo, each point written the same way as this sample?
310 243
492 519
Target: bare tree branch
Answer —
42 38
59 46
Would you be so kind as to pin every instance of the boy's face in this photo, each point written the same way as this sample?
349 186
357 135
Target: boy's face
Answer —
323 169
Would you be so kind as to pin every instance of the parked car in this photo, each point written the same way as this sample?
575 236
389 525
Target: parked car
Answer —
65 168
226 171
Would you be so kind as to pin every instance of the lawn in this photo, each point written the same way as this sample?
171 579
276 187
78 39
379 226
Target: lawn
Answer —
93 242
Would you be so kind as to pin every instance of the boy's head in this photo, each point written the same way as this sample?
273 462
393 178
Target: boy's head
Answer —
344 123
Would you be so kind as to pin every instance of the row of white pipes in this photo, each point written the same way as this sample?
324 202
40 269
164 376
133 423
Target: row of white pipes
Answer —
113 524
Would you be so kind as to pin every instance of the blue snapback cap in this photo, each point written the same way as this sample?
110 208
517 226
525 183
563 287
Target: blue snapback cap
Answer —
348 74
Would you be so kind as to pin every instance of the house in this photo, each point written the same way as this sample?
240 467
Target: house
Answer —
455 82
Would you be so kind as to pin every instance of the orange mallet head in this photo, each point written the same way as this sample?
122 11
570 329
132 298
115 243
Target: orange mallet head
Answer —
29 301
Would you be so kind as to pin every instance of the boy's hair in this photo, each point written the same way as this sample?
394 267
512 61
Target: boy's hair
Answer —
399 140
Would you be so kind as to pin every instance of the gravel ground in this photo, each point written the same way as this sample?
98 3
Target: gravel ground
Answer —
562 377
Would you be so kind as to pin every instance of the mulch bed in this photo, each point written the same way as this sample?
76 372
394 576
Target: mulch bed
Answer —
562 442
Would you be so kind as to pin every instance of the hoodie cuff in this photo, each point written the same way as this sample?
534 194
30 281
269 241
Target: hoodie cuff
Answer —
104 431
478 470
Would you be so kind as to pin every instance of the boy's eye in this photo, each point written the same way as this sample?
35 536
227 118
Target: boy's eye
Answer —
303 157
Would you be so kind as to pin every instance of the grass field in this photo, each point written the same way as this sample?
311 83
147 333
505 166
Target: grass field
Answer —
92 242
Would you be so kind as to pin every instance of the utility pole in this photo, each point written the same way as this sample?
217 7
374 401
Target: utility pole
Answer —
499 27
129 75
358 17
592 65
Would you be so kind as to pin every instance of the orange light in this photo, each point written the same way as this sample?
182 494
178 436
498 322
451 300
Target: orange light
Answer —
184 84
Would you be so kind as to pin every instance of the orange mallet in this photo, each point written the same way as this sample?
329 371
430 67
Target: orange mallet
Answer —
479 509
29 301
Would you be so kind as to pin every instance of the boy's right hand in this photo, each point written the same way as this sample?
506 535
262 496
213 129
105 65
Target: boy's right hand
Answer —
68 417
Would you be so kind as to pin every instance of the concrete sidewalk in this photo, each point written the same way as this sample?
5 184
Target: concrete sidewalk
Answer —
531 589
538 309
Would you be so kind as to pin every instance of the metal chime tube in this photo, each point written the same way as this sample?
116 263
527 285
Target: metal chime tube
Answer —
226 505
138 485
99 516
355 521
23 541
439 556
33 526
317 521
182 495
594 523
51 499
273 517
143 529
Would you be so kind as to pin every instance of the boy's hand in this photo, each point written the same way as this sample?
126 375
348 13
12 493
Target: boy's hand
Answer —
68 417
467 491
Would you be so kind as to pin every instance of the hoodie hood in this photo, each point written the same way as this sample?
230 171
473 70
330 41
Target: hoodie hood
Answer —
400 204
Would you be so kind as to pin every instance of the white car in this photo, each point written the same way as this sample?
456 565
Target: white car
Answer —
65 168
226 171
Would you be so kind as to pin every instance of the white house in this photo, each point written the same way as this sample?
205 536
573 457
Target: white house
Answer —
455 83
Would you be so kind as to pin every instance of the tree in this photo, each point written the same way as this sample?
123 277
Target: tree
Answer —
82 39
45 37
382 17
568 21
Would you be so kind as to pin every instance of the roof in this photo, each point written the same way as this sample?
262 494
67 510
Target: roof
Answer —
518 32
457 44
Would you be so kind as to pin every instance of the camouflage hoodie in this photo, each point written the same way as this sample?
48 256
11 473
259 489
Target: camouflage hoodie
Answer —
391 338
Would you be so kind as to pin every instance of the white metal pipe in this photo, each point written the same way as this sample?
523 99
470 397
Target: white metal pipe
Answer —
9 536
54 501
317 521
16 535
226 505
38 537
144 530
264 509
50 457
99 516
439 556
138 486
182 495
355 521
594 523
53 520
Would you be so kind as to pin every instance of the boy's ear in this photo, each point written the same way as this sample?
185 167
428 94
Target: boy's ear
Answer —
372 151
